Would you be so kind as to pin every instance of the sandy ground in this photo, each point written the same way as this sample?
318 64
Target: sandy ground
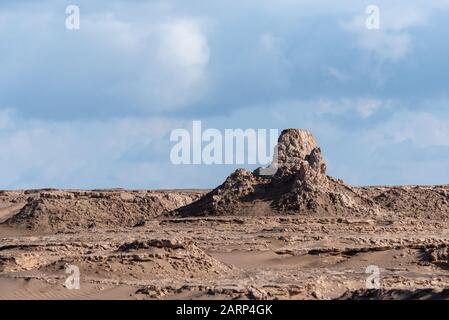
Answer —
278 257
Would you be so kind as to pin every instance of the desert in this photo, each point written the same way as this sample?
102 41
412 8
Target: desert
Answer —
297 234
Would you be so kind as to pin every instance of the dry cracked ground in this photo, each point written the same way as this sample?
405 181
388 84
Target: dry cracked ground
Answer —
297 234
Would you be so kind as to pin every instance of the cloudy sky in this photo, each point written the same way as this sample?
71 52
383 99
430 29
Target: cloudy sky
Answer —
94 107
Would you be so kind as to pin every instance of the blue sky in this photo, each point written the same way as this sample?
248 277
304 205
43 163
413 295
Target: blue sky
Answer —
95 107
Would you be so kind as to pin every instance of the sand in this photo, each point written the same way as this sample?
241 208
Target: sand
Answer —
282 257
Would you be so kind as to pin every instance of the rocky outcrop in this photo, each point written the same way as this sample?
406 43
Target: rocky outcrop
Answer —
298 184
64 210
298 151
167 257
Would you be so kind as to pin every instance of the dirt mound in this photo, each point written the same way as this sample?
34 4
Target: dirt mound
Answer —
57 210
163 257
168 256
430 202
299 184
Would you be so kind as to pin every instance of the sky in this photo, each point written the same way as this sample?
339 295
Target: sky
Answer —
94 107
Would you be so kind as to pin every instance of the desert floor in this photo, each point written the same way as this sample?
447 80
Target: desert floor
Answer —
226 257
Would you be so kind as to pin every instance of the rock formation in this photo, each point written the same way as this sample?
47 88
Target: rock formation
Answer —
298 184
59 210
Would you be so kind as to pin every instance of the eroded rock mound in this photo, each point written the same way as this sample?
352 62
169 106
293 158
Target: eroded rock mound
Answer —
430 202
58 210
162 257
169 256
297 183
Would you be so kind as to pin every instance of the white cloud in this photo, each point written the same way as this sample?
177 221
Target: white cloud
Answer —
82 154
364 107
169 57
182 59
184 44
421 128
387 46
393 41
6 121
368 107
174 72
337 74
151 65
385 43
